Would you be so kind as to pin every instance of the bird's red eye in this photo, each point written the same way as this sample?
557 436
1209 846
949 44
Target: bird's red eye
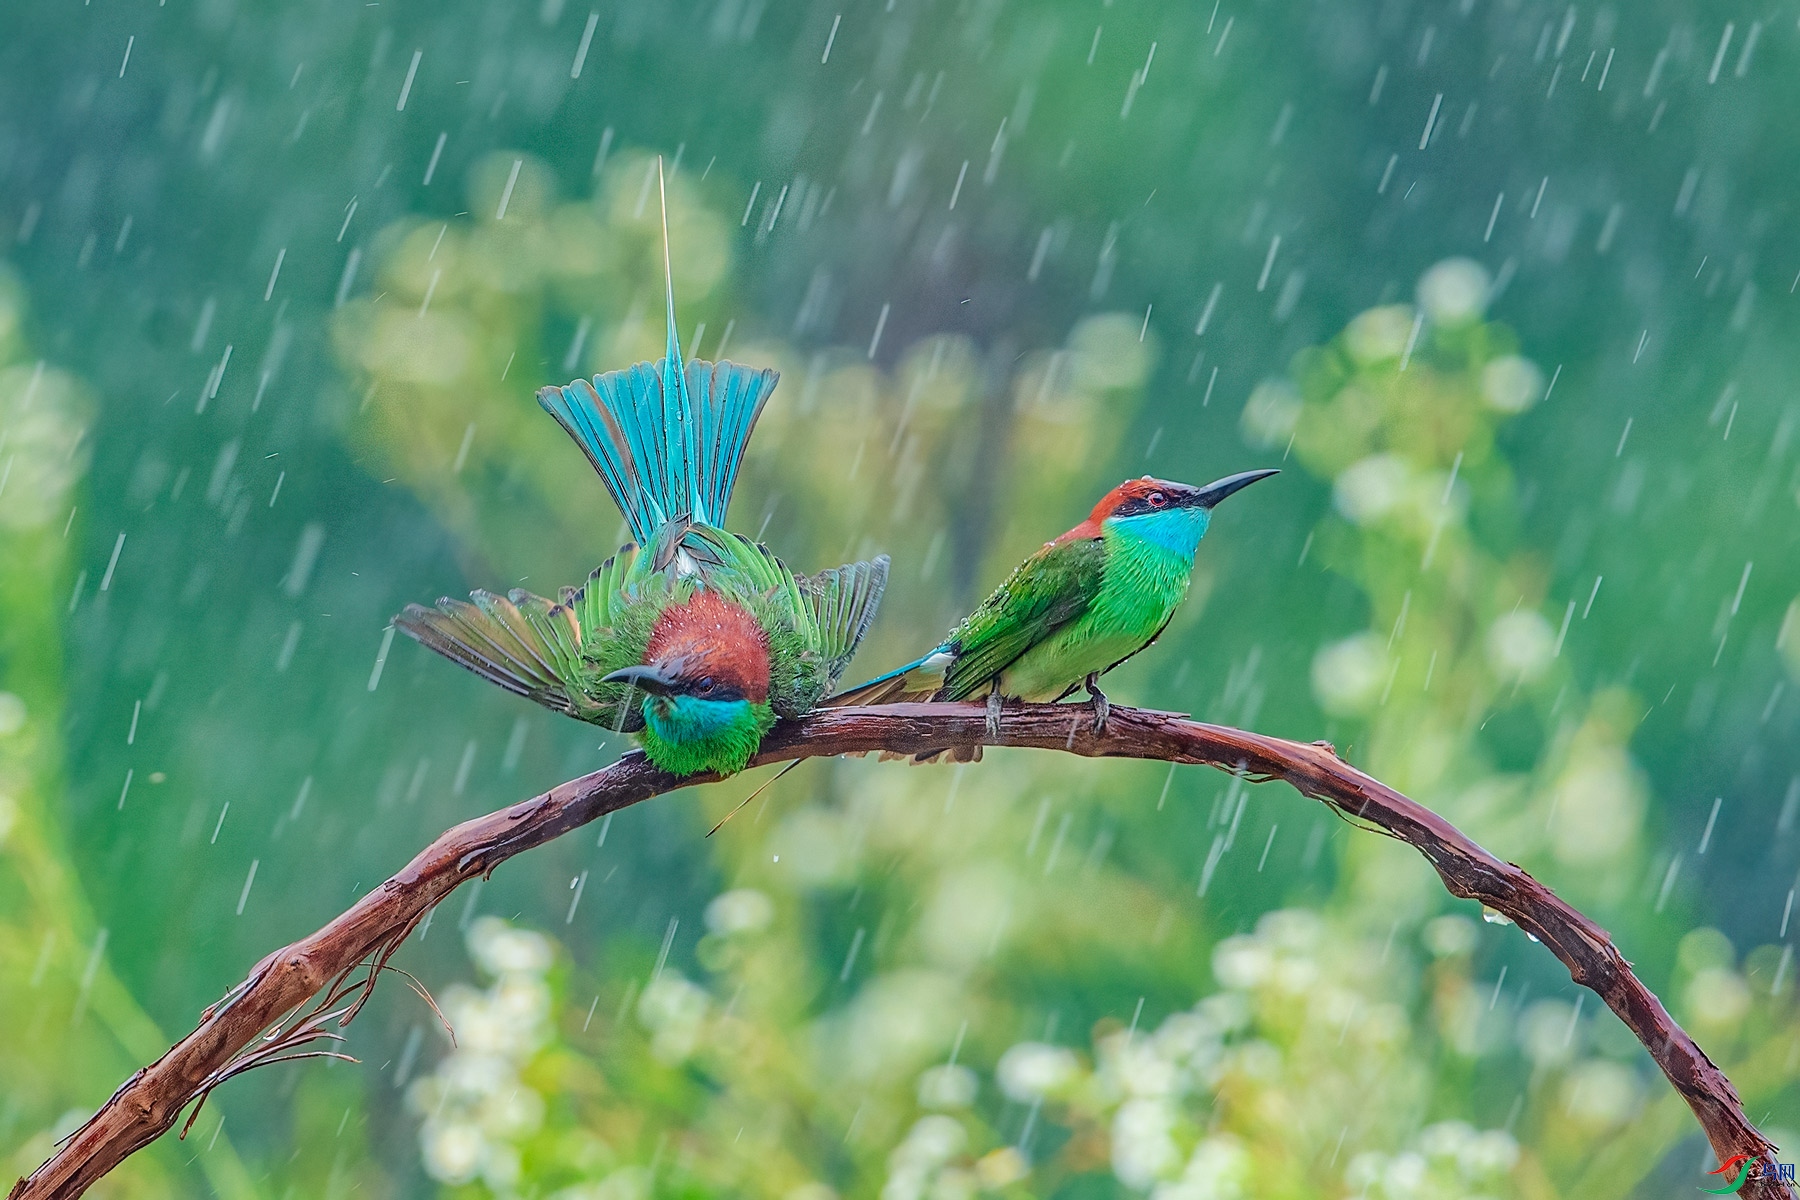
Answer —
1157 500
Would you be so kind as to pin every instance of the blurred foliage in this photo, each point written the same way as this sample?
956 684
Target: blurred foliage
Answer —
284 278
75 1022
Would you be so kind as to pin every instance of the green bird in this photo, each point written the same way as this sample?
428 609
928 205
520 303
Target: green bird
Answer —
1074 610
694 638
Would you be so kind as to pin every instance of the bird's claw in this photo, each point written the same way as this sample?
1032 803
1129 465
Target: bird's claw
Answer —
1102 706
994 701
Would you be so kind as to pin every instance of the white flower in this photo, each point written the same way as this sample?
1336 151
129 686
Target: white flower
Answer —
1717 996
1448 1159
47 449
906 1182
1450 934
1599 807
626 1183
1546 1031
1520 645
452 1151
898 1020
1219 1169
1141 1066
1242 962
514 1114
1511 384
1256 1059
954 1183
1107 352
1379 333
1294 975
12 714
1371 488
1405 1175
1363 1170
500 949
523 1002
742 910
1454 291
1143 1142
948 1087
1490 1153
1272 413
676 1011
500 1167
1600 1093
1446 1139
1348 676
1292 929
1228 1012
1187 1036
1031 1069
819 846
966 913
469 1075
933 1140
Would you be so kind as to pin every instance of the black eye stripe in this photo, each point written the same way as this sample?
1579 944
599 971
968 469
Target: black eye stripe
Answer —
1137 506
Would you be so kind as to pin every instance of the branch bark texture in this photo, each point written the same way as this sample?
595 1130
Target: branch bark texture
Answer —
264 1013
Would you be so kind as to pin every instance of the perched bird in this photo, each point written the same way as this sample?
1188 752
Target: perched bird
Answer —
1074 610
693 638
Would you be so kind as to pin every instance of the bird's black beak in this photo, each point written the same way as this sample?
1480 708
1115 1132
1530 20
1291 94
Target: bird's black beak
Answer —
1212 493
645 679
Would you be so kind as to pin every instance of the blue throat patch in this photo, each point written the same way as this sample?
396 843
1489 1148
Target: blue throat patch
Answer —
1176 530
688 719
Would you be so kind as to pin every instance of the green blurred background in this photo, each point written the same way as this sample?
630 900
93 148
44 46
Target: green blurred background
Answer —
1505 287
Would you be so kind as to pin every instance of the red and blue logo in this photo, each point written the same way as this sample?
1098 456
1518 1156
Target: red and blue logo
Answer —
1738 1168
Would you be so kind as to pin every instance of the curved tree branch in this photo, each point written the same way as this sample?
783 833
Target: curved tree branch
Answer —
265 1017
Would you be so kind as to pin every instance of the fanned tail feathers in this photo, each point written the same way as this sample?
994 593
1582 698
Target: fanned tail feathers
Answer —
843 602
667 441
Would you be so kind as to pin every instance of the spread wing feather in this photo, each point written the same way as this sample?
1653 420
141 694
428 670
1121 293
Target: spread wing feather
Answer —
843 602
529 645
490 636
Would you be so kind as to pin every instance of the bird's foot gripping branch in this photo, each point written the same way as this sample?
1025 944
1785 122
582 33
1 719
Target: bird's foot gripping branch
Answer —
262 1010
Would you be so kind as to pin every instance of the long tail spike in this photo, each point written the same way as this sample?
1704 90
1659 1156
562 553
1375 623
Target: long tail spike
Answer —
667 437
675 386
673 352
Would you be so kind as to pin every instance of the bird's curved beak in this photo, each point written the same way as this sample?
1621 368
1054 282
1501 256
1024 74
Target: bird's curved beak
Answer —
653 680
1218 489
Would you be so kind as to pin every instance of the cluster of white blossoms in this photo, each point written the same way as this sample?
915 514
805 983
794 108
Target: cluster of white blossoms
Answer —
933 1160
1299 1038
475 1106
920 1164
675 1011
1447 1161
932 1163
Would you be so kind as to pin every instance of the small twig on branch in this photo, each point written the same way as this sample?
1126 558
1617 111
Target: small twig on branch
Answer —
261 1007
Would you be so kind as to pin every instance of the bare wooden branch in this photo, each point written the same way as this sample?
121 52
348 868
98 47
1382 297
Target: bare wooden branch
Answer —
263 1012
